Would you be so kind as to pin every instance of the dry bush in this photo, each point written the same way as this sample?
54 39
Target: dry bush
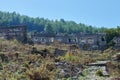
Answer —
50 66
35 67
41 73
118 57
115 78
113 68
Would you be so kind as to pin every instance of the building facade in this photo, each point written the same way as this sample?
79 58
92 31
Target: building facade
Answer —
42 38
14 32
84 40
91 41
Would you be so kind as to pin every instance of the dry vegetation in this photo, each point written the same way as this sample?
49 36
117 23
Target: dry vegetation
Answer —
26 62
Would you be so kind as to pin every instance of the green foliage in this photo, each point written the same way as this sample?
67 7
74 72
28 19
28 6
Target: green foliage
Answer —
49 26
70 57
85 72
99 73
111 33
15 41
111 43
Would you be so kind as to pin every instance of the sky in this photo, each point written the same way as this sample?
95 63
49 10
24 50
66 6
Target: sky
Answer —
98 13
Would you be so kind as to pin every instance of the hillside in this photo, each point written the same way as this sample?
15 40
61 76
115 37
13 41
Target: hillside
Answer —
40 62
46 25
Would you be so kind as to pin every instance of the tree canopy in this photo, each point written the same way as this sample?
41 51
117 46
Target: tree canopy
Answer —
46 25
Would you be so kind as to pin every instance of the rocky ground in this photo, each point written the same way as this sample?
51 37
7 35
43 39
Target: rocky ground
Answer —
41 62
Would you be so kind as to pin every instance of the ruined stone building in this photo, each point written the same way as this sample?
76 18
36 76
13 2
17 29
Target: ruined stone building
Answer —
50 38
42 38
67 39
14 32
91 41
84 40
116 40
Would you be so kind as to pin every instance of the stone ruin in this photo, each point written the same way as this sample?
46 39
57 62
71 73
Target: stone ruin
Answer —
14 32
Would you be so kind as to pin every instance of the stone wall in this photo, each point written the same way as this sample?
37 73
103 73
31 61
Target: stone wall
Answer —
14 32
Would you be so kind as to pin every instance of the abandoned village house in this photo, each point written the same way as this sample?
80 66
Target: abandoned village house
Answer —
14 32
83 40
42 38
92 40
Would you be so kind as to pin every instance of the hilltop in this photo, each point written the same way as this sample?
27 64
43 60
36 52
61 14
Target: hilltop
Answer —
46 25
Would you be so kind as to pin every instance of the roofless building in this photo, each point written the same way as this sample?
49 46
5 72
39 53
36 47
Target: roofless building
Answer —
18 32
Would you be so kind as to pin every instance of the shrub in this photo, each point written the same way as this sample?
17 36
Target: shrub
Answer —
99 73
15 41
40 73
50 67
71 57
